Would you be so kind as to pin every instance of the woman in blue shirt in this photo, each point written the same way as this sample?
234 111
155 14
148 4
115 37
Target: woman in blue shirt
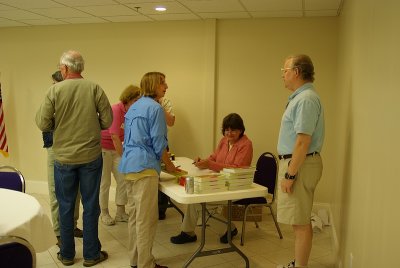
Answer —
145 145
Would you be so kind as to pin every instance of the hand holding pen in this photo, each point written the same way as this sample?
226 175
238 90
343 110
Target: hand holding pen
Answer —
196 160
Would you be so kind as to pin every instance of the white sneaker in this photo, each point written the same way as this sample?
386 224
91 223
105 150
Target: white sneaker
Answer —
107 220
289 265
121 217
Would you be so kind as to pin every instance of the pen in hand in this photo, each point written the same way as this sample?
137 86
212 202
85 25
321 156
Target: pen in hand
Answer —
197 160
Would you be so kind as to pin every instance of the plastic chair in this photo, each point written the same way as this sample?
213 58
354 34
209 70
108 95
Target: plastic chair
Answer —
11 178
16 252
266 175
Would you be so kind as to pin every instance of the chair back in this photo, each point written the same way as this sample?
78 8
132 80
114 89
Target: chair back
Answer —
267 172
16 252
11 178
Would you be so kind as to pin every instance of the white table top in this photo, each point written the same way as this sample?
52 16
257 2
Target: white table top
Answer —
23 216
177 192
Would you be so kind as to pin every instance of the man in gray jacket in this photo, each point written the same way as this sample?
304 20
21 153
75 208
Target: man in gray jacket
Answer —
76 110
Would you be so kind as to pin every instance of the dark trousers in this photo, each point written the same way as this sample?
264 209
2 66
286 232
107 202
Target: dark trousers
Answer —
162 203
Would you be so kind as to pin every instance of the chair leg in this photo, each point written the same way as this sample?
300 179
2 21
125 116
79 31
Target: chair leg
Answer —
276 222
252 213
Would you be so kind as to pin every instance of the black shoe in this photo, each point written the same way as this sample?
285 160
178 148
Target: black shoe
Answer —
224 239
78 232
183 238
162 216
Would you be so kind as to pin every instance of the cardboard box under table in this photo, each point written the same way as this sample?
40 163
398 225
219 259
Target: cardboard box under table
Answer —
253 214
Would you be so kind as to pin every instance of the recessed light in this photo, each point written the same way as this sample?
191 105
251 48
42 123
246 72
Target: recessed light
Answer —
160 8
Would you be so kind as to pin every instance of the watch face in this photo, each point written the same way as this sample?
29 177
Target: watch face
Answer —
290 177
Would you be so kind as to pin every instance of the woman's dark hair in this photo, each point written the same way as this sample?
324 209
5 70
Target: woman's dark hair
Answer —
57 77
233 121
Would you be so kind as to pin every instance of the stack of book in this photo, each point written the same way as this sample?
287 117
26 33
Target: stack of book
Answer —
229 179
210 183
238 178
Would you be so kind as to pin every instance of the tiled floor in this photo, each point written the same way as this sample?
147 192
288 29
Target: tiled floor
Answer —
262 246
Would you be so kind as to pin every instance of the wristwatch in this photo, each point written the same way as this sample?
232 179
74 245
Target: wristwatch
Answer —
290 177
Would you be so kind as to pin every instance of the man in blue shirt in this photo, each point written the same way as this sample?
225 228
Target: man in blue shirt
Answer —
300 142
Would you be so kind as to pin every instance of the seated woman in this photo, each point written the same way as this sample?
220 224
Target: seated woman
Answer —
234 150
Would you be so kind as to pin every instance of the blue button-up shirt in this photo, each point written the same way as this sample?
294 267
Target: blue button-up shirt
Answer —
304 114
145 137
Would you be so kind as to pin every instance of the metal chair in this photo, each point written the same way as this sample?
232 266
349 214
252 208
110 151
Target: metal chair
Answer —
266 175
16 252
11 178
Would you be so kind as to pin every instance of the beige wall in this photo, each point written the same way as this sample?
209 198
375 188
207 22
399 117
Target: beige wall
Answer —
213 68
116 55
367 134
250 54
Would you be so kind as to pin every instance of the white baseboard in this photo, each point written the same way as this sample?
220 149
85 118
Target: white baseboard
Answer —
41 187
335 242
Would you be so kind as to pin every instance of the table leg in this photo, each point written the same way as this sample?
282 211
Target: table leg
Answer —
203 236
234 248
200 253
172 205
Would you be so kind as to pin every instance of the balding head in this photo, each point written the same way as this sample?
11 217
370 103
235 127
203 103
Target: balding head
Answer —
73 60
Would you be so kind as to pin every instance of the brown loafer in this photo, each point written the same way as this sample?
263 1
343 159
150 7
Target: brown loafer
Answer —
103 257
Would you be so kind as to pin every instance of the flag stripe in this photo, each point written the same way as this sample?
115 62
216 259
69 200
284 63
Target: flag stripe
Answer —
3 137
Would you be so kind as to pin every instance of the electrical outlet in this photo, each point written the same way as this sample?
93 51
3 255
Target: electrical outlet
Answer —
351 260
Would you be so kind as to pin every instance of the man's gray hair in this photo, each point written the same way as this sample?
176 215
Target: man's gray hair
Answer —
73 60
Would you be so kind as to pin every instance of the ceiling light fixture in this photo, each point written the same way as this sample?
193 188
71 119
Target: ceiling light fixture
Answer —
161 8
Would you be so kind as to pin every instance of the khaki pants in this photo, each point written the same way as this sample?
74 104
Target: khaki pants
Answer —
111 161
52 195
143 216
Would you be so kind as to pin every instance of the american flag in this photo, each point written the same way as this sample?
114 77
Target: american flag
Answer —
3 138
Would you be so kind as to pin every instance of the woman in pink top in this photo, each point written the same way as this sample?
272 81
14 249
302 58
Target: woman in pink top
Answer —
234 150
111 143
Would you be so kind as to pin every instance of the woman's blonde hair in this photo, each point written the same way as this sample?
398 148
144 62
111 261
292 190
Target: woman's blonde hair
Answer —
150 82
130 92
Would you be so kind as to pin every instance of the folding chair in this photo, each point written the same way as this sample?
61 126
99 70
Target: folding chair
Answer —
11 178
266 175
16 252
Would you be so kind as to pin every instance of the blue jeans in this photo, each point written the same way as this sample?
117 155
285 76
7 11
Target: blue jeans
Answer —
69 178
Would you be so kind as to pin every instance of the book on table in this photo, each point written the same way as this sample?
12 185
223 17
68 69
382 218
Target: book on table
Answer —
237 171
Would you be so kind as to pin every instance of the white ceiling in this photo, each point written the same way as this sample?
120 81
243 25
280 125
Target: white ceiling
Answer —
56 12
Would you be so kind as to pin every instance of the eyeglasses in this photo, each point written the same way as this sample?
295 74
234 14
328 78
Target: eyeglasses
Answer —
284 70
233 131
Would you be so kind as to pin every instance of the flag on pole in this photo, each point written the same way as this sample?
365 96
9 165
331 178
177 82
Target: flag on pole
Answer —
3 138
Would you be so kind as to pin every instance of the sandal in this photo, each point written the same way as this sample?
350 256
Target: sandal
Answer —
103 257
107 220
122 217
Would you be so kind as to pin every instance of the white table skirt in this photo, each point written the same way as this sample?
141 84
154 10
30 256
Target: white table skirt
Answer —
23 216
